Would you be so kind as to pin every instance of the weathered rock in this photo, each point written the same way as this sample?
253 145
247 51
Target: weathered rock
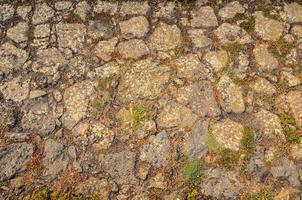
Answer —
165 10
296 151
295 105
17 89
267 29
216 59
157 150
63 5
121 167
159 181
8 115
265 60
200 98
54 160
100 29
135 27
105 48
14 159
165 37
293 12
105 7
231 98
42 13
76 99
92 185
199 38
19 32
134 8
228 33
203 16
105 134
133 49
291 80
297 31
82 9
263 86
23 11
230 10
6 12
228 134
42 31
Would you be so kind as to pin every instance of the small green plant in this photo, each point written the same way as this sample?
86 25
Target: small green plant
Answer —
238 81
291 129
138 115
248 142
234 48
227 158
264 194
41 194
266 11
191 170
192 195
213 144
248 24
280 48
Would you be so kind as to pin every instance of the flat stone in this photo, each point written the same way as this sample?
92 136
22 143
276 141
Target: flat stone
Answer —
165 10
105 7
6 12
295 105
93 185
230 10
76 99
63 5
297 31
231 98
203 16
293 12
200 98
18 33
134 8
264 87
17 89
296 151
264 60
42 13
291 80
135 27
104 133
23 11
216 59
133 49
14 159
157 151
199 38
228 33
82 9
42 31
266 28
105 48
165 37
228 134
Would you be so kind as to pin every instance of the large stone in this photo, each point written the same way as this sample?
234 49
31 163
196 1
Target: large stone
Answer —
54 160
230 10
294 99
228 134
42 13
16 89
198 38
14 159
104 133
216 59
105 48
105 7
6 12
263 87
121 167
264 60
82 9
165 37
76 99
133 49
203 16
19 32
231 98
146 79
135 27
200 98
291 80
96 186
228 33
266 28
134 8
157 151
293 12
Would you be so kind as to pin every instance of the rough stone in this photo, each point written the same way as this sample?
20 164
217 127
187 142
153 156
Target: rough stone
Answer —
295 105
42 31
293 12
134 8
42 13
82 9
133 49
216 59
17 89
105 48
230 10
297 31
263 86
291 80
264 60
18 33
105 134
101 29
93 185
199 38
63 5
6 12
203 16
228 33
135 27
106 7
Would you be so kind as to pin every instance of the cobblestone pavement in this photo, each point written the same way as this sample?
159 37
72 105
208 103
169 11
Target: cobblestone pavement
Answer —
150 100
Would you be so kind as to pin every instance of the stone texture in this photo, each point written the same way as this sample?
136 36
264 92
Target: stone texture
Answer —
203 17
17 89
82 9
19 32
295 105
263 86
227 33
42 13
293 12
133 49
134 8
216 59
199 38
6 12
101 29
105 7
291 80
105 134
265 60
135 27
230 10
104 49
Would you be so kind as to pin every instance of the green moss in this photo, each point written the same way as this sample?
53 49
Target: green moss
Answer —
266 11
138 115
238 81
191 170
233 49
40 194
192 195
248 142
248 24
280 48
213 145
227 158
291 129
264 194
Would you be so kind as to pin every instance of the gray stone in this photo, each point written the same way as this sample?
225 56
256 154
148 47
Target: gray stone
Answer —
228 33
18 33
230 10
104 49
100 29
293 12
6 12
199 38
165 37
134 8
264 60
157 150
133 49
203 16
135 27
42 13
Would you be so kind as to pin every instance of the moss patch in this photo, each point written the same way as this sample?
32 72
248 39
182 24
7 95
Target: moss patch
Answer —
40 194
228 158
291 130
264 194
213 145
248 142
138 115
233 49
192 195
266 11
238 81
191 170
280 48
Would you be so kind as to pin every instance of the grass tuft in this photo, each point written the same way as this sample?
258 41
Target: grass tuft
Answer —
292 131
191 170
213 145
280 48
238 81
248 142
138 115
227 158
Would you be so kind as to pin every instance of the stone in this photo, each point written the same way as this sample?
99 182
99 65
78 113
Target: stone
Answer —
134 8
63 5
165 10
230 95
54 160
203 16
135 27
159 181
291 80
265 60
8 114
97 186
157 150
42 31
199 97
14 159
6 12
149 76
107 70
101 29
19 32
143 171
241 69
216 59
263 86
273 29
16 89
199 38
230 10
23 11
104 49
293 12
42 13
11 57
228 134
133 49
121 167
71 35
287 170
268 124
82 9
105 134
295 105
17 182
190 67
176 115
297 31
76 99
165 37
296 151
228 33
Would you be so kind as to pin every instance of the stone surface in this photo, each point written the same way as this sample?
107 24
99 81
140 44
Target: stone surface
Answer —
104 49
203 17
19 32
230 10
42 13
199 38
216 59
265 60
295 105
133 49
227 33
17 89
134 8
293 12
263 86
135 27
6 12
